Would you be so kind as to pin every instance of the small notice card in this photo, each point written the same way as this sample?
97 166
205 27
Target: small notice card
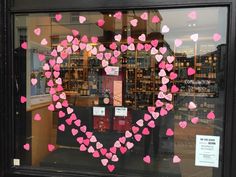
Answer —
207 151
99 111
121 111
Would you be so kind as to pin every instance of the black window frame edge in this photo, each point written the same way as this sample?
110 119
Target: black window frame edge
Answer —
7 82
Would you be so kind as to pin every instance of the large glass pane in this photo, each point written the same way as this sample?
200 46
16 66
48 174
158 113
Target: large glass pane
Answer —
131 92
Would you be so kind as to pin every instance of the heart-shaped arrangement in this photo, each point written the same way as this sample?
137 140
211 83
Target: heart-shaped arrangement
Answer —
88 142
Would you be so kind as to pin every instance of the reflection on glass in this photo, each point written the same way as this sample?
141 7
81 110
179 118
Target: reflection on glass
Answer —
132 86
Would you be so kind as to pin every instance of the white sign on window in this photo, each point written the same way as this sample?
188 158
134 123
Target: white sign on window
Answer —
99 111
207 151
121 111
114 71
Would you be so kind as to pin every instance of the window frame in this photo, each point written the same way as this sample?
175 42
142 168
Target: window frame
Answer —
7 80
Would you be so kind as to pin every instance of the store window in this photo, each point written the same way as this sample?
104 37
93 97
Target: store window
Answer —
124 92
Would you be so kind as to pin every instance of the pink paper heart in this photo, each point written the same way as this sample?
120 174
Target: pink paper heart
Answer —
117 37
114 60
118 15
135 129
178 42
159 103
151 109
74 131
173 76
37 31
164 80
144 16
134 22
162 65
27 146
155 115
169 67
191 71
192 105
99 56
151 124
75 32
183 124
61 114
100 22
116 53
24 45
211 115
140 47
111 168
140 122
147 117
158 57
113 46
216 37
128 134
104 162
162 73
61 127
155 19
91 149
163 112
104 63
129 145
163 88
145 131
58 17
147 159
130 40
138 137
51 107
37 117
51 147
174 89
147 47
195 120
169 106
44 42
82 19
83 129
34 81
142 37
23 99
123 150
163 50
154 42
123 48
41 57
69 38
170 59
101 48
154 51
176 159
169 132
192 15
131 47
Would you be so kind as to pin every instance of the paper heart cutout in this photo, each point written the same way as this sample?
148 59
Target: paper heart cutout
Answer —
174 89
117 37
176 159
34 81
169 132
165 29
195 120
183 124
147 159
51 147
23 99
192 15
75 32
130 40
154 42
192 105
155 19
140 47
58 17
134 22
163 50
211 115
194 37
37 31
26 146
118 15
216 37
82 19
100 22
44 42
37 117
144 16
178 42
191 71
24 45
142 37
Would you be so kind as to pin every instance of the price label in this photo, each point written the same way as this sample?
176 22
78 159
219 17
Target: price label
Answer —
99 111
121 111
